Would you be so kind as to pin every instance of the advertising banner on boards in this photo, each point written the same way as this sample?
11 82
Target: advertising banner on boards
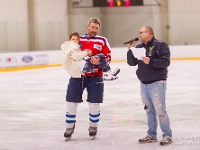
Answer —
23 59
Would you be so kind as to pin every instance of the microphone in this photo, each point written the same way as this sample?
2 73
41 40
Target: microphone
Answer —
135 39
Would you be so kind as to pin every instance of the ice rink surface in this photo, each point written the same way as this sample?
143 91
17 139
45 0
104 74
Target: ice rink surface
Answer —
32 111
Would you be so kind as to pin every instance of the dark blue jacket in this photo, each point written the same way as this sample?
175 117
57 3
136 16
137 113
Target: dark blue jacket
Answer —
156 70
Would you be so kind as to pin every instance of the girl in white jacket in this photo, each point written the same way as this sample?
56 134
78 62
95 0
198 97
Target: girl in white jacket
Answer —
72 55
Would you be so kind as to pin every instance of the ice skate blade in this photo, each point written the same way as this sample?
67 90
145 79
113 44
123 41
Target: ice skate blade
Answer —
67 138
116 72
92 137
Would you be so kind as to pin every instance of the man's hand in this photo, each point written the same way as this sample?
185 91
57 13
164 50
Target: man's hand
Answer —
95 60
146 60
89 53
131 44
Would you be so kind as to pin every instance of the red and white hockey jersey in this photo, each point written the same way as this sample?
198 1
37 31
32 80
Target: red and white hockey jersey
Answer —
97 44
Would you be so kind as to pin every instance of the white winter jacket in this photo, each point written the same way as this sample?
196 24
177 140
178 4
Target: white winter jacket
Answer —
71 57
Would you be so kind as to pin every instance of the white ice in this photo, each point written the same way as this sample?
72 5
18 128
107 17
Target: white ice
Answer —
32 111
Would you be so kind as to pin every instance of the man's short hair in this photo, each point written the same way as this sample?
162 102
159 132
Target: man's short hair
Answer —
148 28
94 20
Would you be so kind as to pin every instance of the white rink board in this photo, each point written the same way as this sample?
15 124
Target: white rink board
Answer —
54 56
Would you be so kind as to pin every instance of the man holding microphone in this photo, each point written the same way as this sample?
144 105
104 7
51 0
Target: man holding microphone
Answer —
152 72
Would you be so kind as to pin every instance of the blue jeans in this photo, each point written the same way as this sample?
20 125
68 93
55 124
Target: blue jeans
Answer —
153 97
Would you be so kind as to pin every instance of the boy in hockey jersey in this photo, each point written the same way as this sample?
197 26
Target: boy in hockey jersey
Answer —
104 65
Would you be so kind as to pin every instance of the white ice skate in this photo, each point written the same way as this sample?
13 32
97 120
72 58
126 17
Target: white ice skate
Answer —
114 73
109 76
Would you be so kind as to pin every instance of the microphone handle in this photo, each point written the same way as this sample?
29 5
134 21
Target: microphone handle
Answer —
129 41
135 39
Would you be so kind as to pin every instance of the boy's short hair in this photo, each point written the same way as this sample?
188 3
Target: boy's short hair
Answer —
74 34
94 20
